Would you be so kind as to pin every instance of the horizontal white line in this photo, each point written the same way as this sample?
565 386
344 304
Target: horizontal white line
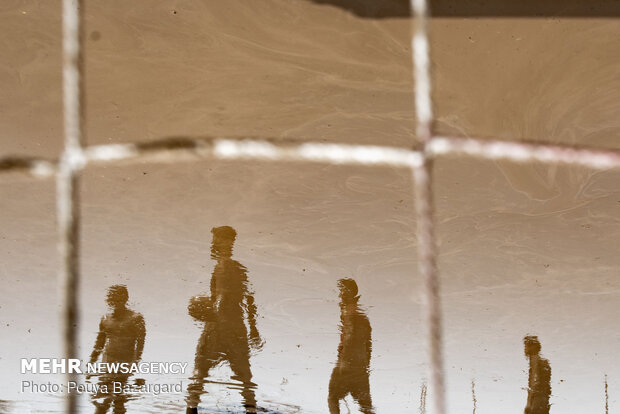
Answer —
525 152
182 149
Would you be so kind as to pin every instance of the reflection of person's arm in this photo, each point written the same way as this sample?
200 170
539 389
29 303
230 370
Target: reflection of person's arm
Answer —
214 294
530 385
251 307
99 343
141 334
212 285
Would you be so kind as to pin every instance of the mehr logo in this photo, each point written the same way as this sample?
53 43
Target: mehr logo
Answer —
51 366
74 365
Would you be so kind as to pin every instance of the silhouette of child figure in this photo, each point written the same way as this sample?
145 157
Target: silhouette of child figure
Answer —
350 375
539 381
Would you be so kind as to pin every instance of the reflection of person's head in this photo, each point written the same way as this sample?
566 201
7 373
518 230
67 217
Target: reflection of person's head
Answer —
223 240
348 290
117 296
531 345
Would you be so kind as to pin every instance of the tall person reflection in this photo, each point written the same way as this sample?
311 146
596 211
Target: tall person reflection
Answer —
350 375
120 340
539 382
225 337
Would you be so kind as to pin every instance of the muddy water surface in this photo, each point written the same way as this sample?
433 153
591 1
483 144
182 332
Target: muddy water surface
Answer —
526 250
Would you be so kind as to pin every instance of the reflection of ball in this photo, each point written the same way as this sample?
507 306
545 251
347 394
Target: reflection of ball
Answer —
201 308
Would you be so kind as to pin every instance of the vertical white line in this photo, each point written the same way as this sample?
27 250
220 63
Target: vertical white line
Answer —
67 189
421 70
427 265
427 253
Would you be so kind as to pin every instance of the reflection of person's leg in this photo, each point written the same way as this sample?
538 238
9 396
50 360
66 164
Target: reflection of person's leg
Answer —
539 406
120 398
207 356
103 406
239 359
194 391
360 391
196 388
119 403
337 391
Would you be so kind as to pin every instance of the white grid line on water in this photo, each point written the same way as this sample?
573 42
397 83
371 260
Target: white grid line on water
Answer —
423 186
68 179
188 148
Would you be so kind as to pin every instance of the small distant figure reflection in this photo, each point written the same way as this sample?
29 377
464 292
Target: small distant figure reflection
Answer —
350 375
539 382
225 337
120 339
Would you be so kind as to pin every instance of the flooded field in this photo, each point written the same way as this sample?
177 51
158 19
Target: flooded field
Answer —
294 287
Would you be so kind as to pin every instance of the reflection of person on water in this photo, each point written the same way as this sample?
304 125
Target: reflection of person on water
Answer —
120 339
539 382
350 375
225 336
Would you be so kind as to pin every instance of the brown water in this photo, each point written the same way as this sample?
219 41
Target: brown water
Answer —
525 249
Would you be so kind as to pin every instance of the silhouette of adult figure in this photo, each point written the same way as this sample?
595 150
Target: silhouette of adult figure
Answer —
350 375
120 339
225 336
539 381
